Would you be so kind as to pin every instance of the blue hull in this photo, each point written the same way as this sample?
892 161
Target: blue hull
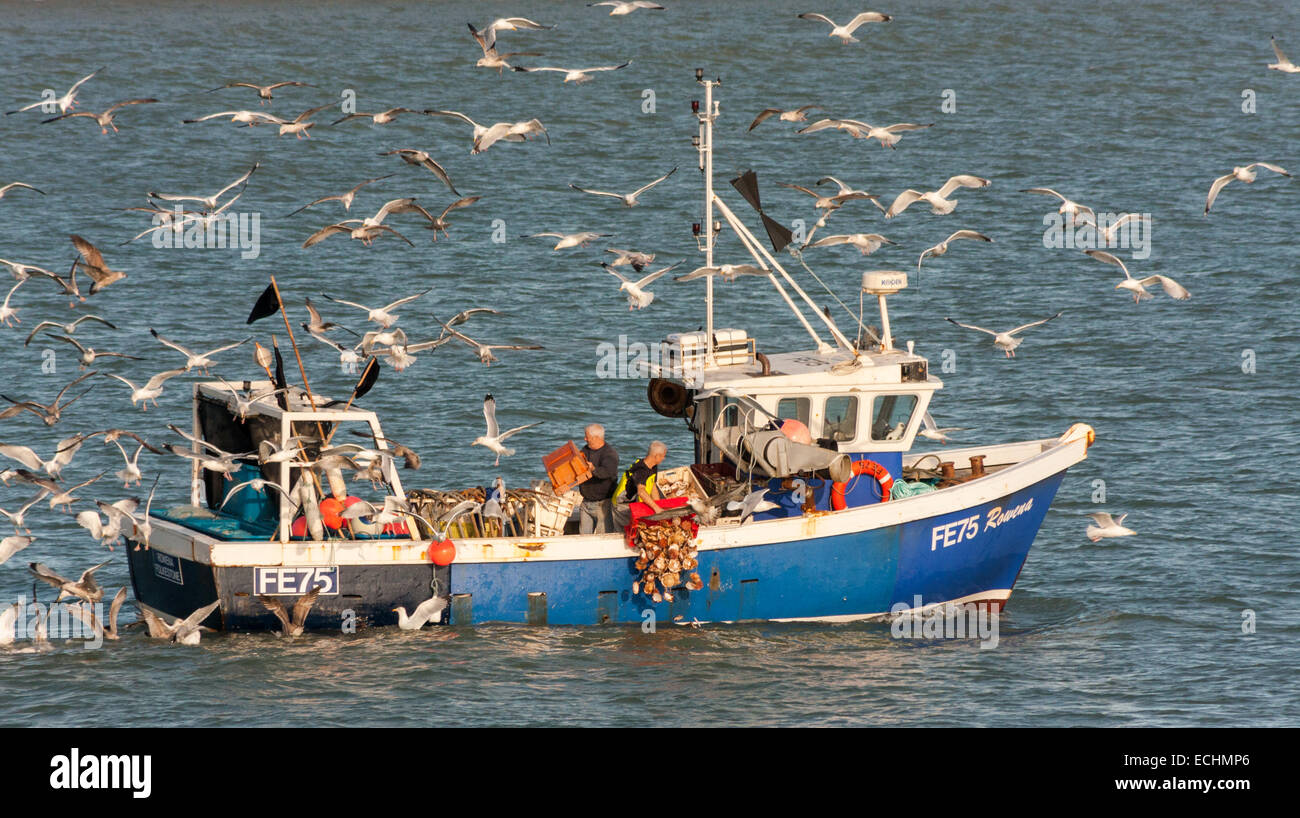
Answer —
969 554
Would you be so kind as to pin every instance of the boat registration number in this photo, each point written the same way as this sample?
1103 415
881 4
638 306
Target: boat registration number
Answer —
289 580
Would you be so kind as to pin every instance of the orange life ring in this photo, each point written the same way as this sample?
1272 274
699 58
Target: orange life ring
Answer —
871 467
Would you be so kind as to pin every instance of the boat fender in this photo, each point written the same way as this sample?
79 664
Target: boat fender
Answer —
311 509
668 398
864 466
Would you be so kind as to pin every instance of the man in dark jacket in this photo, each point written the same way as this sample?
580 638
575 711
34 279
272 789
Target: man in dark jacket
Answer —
596 490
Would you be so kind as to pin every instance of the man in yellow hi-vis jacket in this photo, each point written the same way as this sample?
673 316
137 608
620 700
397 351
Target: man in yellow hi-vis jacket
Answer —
638 483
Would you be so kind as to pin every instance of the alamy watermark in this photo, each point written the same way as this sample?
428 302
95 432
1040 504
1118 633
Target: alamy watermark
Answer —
1126 231
190 230
970 620
634 359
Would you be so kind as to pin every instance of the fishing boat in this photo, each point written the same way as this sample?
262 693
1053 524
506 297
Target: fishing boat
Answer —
855 524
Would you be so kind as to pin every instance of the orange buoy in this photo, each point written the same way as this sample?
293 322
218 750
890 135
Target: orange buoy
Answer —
796 431
331 510
442 553
871 467
299 527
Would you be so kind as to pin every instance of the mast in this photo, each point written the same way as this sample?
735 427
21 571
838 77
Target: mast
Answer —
705 141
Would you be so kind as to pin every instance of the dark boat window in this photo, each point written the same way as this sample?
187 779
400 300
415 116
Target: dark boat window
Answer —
841 418
793 408
892 416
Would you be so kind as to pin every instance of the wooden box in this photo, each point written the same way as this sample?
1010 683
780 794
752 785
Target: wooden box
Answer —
566 466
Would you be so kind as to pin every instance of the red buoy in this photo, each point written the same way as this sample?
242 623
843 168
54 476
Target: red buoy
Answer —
442 553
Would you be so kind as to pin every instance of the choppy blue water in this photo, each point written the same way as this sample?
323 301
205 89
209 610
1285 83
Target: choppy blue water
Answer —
1126 107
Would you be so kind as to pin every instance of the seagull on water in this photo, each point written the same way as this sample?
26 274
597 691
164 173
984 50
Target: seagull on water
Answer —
64 103
185 631
87 616
638 298
1006 341
494 438
1138 286
938 200
1106 526
942 247
629 199
422 614
1242 174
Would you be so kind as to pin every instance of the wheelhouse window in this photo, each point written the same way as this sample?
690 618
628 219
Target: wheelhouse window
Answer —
794 409
892 415
841 418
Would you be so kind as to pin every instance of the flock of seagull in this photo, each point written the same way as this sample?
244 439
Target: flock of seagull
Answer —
107 522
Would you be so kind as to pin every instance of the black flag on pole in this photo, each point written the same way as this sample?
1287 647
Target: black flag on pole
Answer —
280 382
368 378
777 233
267 304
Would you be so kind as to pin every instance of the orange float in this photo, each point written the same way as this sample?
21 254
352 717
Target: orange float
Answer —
442 553
871 467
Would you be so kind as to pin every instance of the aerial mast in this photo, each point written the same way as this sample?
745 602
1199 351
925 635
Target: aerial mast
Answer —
705 143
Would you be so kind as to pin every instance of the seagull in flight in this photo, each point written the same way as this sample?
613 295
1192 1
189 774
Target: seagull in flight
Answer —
422 614
484 351
93 264
152 388
84 588
49 413
1282 64
87 616
300 124
623 258
68 329
888 136
383 316
796 115
14 186
485 137
486 40
185 631
494 438
368 229
931 431
622 7
1106 526
629 199
439 222
568 240
89 354
1138 286
381 118
845 32
263 91
103 120
1243 174
942 247
345 198
65 103
638 298
208 202
576 76
249 118
1006 341
291 624
729 272
421 159
1069 208
938 200
201 361
867 243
